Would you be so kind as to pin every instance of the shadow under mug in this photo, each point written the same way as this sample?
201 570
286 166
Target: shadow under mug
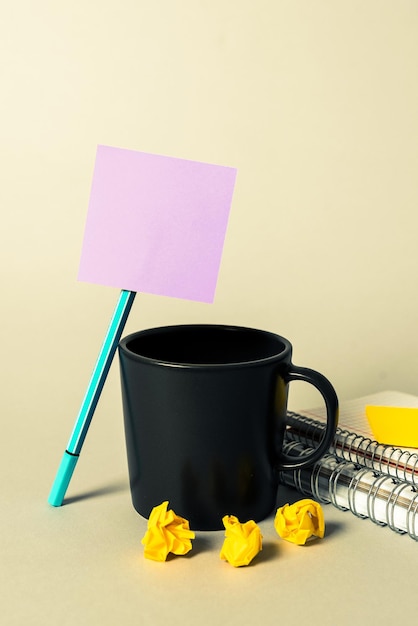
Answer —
205 413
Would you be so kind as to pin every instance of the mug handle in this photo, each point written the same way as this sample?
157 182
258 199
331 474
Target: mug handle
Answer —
331 402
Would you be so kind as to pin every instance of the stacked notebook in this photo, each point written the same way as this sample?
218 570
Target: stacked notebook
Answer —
359 474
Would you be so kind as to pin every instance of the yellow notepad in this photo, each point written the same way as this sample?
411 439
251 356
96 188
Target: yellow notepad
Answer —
395 426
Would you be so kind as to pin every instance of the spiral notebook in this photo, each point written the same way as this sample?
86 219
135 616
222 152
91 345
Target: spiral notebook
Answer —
354 440
359 474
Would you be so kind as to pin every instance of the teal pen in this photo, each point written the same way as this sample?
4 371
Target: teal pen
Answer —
91 398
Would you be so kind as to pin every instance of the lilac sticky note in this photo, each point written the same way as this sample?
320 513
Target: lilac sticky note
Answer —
156 224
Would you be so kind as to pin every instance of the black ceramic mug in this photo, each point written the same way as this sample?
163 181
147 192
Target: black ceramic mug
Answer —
205 413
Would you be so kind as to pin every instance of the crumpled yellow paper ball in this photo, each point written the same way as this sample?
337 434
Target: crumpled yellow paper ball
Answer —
299 521
242 541
167 532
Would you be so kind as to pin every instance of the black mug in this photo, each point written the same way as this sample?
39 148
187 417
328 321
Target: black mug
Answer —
205 412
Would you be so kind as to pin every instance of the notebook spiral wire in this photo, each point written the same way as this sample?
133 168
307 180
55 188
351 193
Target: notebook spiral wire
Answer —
385 500
358 449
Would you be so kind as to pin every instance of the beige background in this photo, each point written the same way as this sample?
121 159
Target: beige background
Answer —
315 103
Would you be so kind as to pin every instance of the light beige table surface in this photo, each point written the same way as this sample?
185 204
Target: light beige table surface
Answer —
83 562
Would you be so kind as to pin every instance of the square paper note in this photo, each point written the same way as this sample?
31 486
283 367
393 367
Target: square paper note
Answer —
156 224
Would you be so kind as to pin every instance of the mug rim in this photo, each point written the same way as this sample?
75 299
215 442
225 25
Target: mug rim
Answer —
279 356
